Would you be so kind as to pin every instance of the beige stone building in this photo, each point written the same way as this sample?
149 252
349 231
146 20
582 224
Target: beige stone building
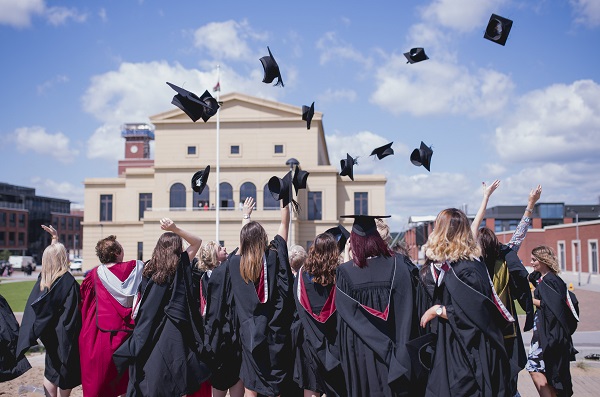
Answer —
256 138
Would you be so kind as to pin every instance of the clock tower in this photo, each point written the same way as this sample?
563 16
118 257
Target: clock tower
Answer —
137 146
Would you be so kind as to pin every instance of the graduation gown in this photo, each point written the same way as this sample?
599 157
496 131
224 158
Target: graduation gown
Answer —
469 358
265 327
53 316
164 352
376 318
106 325
317 366
556 324
11 365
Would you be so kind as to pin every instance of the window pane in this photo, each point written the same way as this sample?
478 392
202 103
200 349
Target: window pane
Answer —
278 149
140 250
202 200
226 193
235 149
248 189
145 202
361 203
191 150
177 196
105 207
269 203
314 206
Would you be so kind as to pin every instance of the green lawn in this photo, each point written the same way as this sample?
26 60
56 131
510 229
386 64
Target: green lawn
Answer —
16 294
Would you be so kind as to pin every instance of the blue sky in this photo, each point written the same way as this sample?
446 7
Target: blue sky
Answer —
73 71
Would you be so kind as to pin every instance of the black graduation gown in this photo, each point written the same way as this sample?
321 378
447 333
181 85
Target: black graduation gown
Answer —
317 366
556 324
373 350
11 365
164 352
469 358
222 330
265 327
53 316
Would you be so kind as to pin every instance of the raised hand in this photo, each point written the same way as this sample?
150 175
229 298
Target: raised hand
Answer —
167 224
51 230
488 190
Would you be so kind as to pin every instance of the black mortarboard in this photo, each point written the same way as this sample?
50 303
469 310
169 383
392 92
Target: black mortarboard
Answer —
195 107
307 114
364 225
199 180
211 106
383 151
348 166
341 234
271 69
422 156
420 350
416 55
299 179
281 188
497 29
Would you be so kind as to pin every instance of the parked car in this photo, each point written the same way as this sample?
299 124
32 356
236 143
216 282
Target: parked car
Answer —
76 265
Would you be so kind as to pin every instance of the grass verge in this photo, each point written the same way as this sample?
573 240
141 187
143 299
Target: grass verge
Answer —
16 294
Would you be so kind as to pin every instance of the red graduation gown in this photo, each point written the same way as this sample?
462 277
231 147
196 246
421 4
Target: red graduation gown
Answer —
106 324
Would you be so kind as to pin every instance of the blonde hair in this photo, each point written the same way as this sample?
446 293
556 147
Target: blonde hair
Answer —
384 230
55 263
545 255
297 257
452 239
208 256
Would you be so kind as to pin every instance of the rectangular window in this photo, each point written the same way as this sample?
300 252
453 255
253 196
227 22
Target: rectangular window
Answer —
235 149
70 223
2 218
562 259
2 238
361 203
11 238
278 149
191 150
140 250
63 223
106 204
593 255
21 239
145 203
12 219
575 255
21 220
315 206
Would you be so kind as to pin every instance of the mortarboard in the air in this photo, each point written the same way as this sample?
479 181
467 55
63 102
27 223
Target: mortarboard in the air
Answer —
211 106
281 188
271 69
383 151
364 225
416 55
348 166
195 107
422 156
497 29
307 114
299 179
199 179
341 234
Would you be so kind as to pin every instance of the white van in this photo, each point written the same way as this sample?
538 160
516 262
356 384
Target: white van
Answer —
21 262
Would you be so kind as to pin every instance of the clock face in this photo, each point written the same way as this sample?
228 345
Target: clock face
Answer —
133 148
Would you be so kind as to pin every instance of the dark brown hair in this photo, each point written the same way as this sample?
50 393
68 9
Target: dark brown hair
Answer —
323 259
165 257
253 244
490 247
108 249
364 247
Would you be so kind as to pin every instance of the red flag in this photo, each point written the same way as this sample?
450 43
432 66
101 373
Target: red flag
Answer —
217 87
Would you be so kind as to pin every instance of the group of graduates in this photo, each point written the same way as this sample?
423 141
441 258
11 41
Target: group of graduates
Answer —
349 317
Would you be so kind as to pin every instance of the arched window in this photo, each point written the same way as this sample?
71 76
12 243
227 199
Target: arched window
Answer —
202 201
269 203
226 193
177 196
248 189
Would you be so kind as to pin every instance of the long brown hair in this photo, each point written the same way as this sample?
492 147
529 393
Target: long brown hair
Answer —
253 244
165 257
490 247
323 259
452 239
55 263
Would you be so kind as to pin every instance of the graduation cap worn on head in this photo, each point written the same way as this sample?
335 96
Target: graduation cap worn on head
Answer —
195 107
497 29
422 156
271 69
365 225
416 55
299 179
348 166
307 114
199 180
341 234
281 188
383 151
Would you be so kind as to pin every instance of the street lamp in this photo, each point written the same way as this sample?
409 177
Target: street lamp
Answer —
291 162
578 255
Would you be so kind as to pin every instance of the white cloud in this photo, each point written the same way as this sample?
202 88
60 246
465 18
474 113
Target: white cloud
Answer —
558 123
460 15
19 13
587 12
102 14
338 95
46 85
57 16
228 40
64 190
332 48
106 143
37 140
435 87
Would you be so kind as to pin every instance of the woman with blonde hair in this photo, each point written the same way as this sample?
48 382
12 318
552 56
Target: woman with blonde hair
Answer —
52 315
469 358
555 321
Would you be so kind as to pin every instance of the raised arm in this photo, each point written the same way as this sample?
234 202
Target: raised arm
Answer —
194 241
284 226
52 231
487 192
247 210
519 234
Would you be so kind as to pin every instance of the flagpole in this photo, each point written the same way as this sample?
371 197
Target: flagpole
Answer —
218 192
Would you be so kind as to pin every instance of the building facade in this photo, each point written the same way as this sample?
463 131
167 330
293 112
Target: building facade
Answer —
256 138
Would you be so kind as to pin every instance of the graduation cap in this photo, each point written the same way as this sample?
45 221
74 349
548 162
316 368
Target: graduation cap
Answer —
341 234
307 114
348 166
416 55
498 29
420 350
195 107
281 188
383 151
271 69
299 179
365 225
422 156
199 180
